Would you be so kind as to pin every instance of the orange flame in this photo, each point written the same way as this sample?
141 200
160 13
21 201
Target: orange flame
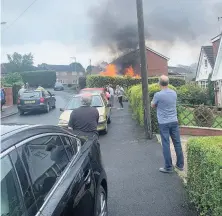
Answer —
130 72
109 71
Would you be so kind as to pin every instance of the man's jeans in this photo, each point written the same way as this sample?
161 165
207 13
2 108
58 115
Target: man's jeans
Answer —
166 131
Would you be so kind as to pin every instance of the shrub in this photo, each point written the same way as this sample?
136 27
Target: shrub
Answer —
12 79
136 103
44 78
204 180
101 81
82 82
203 116
192 94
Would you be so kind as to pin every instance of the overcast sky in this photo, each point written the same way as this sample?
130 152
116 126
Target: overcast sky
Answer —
55 30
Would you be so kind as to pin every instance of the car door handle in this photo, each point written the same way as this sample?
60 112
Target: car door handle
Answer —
87 176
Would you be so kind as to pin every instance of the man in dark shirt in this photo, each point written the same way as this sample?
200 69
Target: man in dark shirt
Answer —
84 120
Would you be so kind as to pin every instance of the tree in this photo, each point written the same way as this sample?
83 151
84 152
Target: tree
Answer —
210 91
76 66
18 62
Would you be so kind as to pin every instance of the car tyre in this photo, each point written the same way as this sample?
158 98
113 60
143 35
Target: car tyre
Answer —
47 108
105 131
21 112
101 203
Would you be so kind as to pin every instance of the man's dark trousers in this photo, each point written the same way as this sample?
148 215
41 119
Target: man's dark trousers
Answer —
166 131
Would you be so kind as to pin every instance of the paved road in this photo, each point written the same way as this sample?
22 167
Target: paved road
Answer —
40 117
136 187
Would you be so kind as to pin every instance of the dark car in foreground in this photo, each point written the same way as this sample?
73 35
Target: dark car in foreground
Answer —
58 86
36 100
48 171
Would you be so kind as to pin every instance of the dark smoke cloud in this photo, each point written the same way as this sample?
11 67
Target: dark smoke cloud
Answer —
114 22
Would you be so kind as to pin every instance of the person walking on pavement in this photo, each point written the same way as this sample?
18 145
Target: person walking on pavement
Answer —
120 92
111 92
84 120
3 98
165 101
21 91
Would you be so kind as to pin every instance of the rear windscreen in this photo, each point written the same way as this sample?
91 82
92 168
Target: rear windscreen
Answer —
31 95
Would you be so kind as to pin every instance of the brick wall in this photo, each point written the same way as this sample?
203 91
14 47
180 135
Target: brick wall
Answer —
198 131
9 96
157 65
216 45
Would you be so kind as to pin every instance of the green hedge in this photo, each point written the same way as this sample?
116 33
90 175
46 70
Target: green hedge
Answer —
44 78
101 81
205 174
192 94
136 103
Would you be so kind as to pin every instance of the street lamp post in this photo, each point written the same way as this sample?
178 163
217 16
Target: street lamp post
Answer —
144 67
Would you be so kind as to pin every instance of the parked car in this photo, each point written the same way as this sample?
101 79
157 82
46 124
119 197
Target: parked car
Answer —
36 100
99 101
96 90
48 171
58 86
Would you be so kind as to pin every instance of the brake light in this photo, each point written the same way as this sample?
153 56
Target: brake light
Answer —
42 100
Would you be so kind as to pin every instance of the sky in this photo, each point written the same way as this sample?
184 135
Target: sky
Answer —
55 30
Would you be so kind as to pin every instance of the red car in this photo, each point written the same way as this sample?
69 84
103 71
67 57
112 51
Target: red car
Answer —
96 90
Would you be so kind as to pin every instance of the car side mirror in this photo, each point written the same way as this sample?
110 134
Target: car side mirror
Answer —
62 109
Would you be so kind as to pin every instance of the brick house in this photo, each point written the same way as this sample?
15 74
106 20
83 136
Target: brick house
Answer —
157 63
65 74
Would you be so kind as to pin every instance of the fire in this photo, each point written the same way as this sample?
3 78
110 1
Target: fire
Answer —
130 72
110 71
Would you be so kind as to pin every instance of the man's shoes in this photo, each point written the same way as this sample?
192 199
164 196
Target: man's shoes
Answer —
181 169
164 170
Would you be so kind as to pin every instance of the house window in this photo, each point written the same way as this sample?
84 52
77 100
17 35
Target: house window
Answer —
74 73
205 63
204 84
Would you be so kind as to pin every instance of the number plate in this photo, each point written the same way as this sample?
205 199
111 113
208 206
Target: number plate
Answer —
29 102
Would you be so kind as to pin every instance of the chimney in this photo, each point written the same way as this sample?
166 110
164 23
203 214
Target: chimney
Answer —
216 42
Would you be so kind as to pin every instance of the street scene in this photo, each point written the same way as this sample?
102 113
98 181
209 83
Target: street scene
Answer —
111 108
135 185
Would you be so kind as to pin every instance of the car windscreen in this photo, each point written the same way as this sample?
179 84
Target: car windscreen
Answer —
76 102
27 95
58 84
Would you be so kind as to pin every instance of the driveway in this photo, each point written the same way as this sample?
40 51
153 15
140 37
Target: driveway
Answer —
136 187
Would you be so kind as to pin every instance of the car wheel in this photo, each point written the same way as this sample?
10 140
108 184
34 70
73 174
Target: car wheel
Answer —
109 120
21 112
105 131
101 204
47 108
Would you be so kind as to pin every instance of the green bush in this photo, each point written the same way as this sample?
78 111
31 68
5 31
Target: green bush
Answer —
11 79
192 94
136 103
44 78
204 177
101 81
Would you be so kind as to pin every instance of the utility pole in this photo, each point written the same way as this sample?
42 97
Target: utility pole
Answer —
90 67
144 72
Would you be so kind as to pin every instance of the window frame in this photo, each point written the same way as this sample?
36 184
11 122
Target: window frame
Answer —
63 174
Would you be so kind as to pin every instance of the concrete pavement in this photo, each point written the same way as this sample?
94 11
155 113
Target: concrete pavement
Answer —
136 187
9 111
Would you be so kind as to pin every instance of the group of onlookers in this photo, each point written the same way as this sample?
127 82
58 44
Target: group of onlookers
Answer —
119 92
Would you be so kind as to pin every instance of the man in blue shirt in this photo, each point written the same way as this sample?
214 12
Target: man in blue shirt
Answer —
165 101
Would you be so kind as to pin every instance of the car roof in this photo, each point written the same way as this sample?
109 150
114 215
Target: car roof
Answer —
93 89
91 93
12 134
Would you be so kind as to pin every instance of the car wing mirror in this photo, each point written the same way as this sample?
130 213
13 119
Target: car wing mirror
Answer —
62 109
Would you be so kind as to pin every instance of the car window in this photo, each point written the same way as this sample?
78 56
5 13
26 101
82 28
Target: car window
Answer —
11 200
31 95
45 159
75 102
26 186
71 145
